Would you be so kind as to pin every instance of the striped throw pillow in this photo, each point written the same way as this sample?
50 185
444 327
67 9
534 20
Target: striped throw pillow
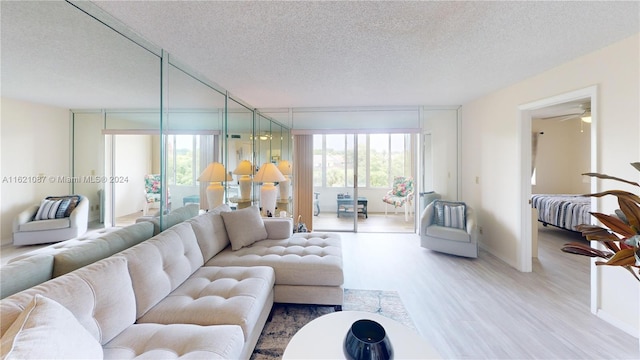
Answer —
450 214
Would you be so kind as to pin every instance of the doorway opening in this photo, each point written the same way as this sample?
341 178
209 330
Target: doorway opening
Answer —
525 128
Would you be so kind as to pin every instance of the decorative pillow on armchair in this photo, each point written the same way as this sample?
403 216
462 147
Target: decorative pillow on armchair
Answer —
57 207
450 214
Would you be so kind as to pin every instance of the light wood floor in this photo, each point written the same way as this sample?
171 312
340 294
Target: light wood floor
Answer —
483 308
375 222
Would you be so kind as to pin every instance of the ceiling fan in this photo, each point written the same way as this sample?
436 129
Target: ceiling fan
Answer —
583 111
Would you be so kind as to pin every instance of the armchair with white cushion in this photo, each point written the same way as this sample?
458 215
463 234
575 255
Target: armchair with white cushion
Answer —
57 218
449 227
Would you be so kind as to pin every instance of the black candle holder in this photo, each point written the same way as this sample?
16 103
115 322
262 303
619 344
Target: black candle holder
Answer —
367 340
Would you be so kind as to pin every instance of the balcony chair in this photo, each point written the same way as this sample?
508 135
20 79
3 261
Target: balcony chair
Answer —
400 195
152 193
449 227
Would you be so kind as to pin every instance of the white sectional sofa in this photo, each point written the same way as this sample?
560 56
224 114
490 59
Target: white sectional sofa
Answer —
166 298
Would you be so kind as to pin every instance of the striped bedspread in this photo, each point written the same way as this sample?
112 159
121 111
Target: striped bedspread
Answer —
562 210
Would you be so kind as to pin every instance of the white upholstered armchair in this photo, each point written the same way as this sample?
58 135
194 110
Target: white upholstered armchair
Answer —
69 220
449 227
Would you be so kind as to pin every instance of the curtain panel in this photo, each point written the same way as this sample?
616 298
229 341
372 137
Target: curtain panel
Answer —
303 179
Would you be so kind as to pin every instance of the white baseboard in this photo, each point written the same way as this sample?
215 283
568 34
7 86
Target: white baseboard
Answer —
619 324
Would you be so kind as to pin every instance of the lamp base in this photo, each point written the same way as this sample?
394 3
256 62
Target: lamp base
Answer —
215 195
245 187
268 194
284 188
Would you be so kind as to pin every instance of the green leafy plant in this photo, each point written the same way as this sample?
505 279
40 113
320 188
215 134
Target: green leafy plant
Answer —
621 237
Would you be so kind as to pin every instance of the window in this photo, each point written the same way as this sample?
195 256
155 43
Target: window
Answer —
182 158
380 158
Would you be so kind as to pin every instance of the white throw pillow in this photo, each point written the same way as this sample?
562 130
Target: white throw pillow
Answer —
220 209
48 330
244 226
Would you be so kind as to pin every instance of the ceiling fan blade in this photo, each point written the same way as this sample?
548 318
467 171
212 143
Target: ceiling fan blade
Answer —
562 117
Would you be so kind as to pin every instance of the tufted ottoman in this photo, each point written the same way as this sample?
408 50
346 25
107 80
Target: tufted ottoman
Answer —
307 266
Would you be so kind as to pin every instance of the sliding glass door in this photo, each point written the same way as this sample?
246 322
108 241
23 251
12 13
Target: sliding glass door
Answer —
335 174
353 173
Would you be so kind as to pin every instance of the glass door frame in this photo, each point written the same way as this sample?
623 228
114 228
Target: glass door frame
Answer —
354 179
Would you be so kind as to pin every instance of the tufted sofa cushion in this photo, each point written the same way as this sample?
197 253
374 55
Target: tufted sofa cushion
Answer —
56 248
20 275
156 341
161 264
303 259
111 242
237 294
99 295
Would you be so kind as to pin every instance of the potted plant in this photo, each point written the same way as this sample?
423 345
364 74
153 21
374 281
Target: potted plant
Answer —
620 237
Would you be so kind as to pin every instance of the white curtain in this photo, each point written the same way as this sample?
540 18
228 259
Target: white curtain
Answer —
209 152
534 150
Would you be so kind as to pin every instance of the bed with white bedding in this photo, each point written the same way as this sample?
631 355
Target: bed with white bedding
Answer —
565 211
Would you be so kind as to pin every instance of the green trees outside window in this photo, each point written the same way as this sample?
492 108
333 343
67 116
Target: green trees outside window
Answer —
380 158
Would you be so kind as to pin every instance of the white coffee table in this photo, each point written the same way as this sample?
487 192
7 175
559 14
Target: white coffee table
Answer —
323 338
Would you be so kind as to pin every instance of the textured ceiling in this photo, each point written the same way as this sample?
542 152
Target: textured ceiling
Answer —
312 54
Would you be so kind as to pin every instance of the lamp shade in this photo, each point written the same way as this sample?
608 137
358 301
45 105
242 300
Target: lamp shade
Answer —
244 168
285 167
268 173
215 172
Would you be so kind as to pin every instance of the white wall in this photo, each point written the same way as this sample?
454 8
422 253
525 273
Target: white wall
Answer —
35 140
563 155
490 149
88 157
131 163
442 124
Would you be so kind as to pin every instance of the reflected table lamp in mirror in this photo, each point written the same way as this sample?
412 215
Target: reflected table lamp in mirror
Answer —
214 174
285 168
268 174
245 170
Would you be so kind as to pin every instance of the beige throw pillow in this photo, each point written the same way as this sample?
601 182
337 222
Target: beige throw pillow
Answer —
244 226
48 330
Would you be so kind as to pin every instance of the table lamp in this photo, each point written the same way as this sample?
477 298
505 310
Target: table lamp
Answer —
267 175
285 168
215 174
245 170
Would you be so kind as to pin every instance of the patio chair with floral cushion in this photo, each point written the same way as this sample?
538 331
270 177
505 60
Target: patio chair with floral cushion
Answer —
152 192
400 195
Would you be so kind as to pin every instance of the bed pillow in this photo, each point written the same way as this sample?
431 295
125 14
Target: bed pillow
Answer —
450 214
47 330
244 226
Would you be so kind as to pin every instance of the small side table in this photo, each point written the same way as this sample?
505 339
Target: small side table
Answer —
282 205
345 206
323 338
242 203
195 199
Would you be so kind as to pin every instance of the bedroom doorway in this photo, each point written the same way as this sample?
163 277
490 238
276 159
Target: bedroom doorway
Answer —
527 113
